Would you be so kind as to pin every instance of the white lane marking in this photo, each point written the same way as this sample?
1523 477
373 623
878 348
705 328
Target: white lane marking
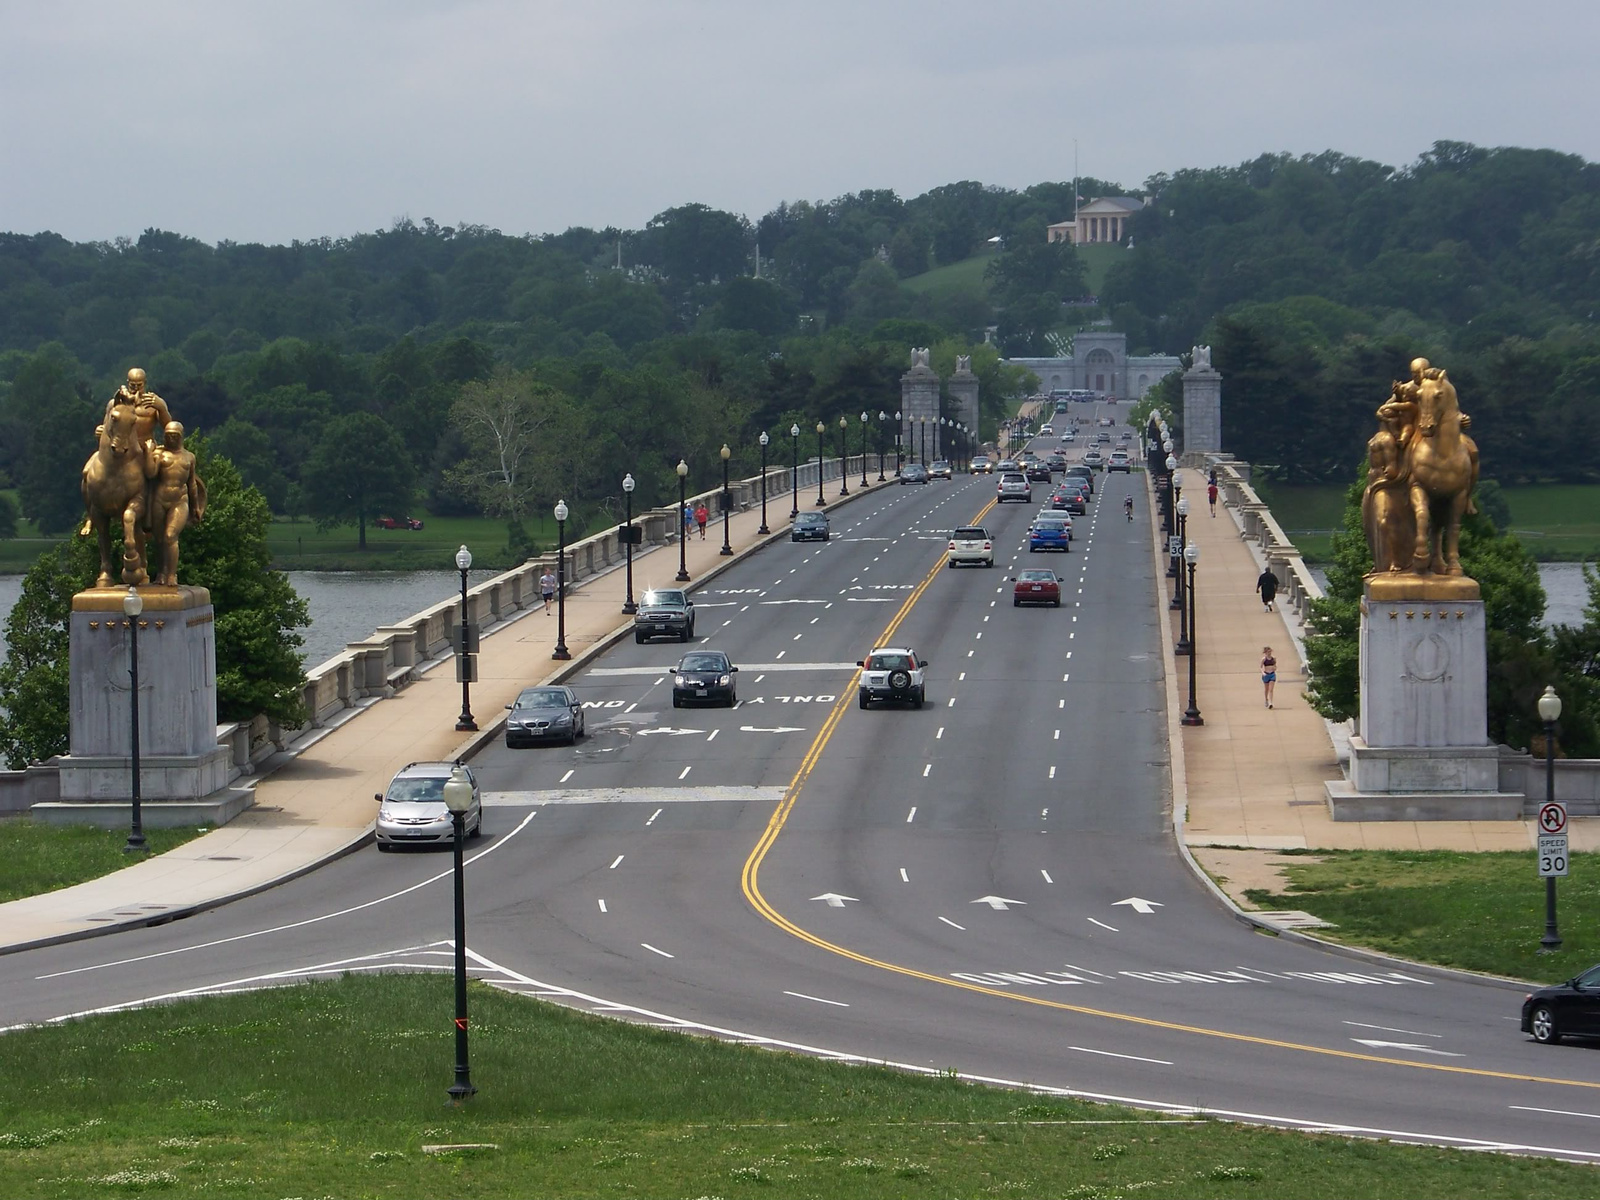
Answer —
1414 1047
781 653
912 815
618 859
712 736
654 815
798 636
814 620
653 950
904 878
950 703
761 676
1046 875
940 734
926 769
603 906
1069 652
631 707
1103 925
1052 772
1392 1029
1044 813
1063 679
745 608
685 772
567 776
961 678
725 624
1555 1112
818 999
1160 1062
969 653
979 637
240 937
953 925
1057 738
1061 703
986 615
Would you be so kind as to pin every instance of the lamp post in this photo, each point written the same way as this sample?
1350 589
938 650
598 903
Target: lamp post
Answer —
561 650
628 606
463 651
1191 715
864 483
763 439
132 606
683 541
844 456
1549 713
899 439
727 501
1176 603
922 426
1172 509
458 799
821 429
883 418
794 473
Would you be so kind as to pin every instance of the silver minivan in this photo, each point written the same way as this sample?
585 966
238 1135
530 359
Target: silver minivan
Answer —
413 813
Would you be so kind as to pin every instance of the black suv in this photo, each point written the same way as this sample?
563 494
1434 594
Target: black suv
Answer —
664 612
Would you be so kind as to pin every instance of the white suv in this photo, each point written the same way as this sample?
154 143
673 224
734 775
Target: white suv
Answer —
892 673
970 544
1014 485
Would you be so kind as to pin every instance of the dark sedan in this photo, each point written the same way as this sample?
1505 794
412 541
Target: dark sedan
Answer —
809 527
913 473
705 675
1570 1009
545 714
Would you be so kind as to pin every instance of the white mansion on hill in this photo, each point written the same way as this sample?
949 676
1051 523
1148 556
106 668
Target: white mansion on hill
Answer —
1100 363
1100 220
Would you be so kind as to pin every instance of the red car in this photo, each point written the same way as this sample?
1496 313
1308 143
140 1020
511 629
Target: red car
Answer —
1036 587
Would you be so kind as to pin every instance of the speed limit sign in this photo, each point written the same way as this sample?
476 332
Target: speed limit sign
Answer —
1552 840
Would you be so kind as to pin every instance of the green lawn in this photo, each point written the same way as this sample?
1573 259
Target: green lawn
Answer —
37 858
966 275
1557 520
334 1089
300 546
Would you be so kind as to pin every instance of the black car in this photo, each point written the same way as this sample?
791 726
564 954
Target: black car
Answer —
1570 1009
809 527
545 714
705 675
664 612
913 473
1079 471
1038 470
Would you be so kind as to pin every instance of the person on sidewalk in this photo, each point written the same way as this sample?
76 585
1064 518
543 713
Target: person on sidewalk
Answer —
1211 495
1269 673
547 589
1267 585
688 519
701 516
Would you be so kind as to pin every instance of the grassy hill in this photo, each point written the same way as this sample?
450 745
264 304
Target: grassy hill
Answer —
967 275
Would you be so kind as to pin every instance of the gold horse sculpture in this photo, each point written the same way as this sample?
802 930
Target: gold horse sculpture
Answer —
1442 465
114 488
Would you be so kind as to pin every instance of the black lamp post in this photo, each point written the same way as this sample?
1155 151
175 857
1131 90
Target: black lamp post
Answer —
821 429
794 473
464 658
922 425
844 456
899 440
561 650
864 483
683 542
883 418
1172 511
1550 713
1191 715
1176 602
727 502
628 606
132 606
458 799
763 439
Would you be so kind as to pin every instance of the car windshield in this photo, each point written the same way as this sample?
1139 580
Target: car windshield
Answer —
542 698
888 662
811 519
1045 525
417 791
1037 577
970 533
664 599
703 662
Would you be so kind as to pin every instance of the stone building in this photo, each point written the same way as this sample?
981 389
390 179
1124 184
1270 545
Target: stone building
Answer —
1100 363
1103 219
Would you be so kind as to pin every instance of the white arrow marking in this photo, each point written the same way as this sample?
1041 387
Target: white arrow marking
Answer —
835 900
869 599
794 602
997 902
774 729
1143 906
1377 1045
669 731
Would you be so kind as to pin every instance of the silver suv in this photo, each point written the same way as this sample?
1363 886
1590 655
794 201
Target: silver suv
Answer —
1013 485
892 673
664 612
413 813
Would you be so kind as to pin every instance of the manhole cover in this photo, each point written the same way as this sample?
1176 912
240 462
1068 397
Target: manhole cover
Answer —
221 858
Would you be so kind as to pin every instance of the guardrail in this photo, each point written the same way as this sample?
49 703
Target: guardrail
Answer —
1296 584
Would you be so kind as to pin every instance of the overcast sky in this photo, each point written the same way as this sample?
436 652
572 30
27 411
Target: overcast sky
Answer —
252 121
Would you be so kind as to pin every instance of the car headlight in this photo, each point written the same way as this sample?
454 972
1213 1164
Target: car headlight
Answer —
680 681
725 680
564 719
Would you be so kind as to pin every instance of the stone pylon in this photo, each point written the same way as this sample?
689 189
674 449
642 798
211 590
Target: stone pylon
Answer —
1202 405
919 403
963 389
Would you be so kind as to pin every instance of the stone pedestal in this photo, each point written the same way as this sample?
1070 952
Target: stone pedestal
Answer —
1202 405
184 771
1422 752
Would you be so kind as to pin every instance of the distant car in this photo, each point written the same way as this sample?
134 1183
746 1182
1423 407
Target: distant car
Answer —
913 473
1103 439
892 673
970 544
1046 534
1094 459
1007 464
705 675
982 465
939 470
1083 472
545 714
413 813
1047 430
1570 1009
1057 462
1013 485
1038 470
809 527
1120 462
1070 499
664 612
1036 587
1069 437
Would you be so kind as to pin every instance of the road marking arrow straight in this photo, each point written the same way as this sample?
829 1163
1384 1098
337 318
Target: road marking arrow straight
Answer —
1141 906
669 731
999 903
1377 1045
835 900
774 729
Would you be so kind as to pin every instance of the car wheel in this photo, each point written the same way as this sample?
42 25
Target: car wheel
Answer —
950 563
1056 603
990 563
921 696
861 699
1542 1023
477 830
733 700
686 635
385 848
677 701
583 726
572 738
1015 602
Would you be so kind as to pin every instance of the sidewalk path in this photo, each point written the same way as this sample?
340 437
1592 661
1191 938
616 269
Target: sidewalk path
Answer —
318 805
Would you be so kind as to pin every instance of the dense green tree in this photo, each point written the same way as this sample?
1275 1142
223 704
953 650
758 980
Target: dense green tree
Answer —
358 471
1034 267
34 680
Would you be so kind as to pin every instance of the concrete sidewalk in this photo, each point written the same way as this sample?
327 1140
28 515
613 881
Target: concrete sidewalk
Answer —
317 805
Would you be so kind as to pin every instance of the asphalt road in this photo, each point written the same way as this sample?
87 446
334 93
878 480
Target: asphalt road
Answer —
987 884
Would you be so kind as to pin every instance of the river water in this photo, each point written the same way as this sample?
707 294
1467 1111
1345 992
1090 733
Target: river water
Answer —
346 606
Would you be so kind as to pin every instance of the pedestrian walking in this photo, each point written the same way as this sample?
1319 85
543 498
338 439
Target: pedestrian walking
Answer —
547 589
701 516
688 519
1269 673
1211 495
1267 585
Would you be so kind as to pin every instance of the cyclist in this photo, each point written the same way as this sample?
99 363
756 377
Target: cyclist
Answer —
1127 506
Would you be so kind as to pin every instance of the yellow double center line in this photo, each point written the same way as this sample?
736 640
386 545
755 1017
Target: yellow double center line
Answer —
751 886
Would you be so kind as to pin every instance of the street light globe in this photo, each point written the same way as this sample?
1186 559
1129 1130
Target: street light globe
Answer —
683 469
627 483
844 422
458 791
897 414
821 427
794 430
561 510
133 605
863 417
463 559
1166 444
1172 463
763 439
1192 553
1549 703
725 452
882 416
1183 506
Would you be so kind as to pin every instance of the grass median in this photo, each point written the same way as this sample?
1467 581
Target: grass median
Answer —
37 858
334 1089
1478 912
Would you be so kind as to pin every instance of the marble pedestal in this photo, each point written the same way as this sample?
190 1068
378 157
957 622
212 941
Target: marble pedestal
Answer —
184 772
1422 751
